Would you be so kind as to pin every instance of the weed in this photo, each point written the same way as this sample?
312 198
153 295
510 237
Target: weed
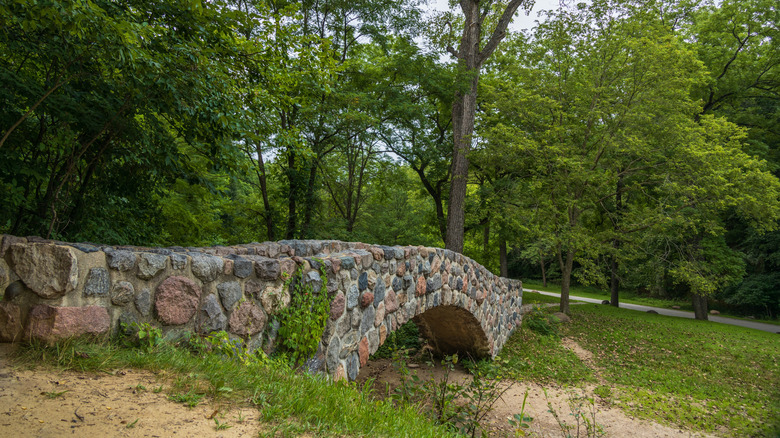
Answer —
461 407
144 335
54 394
158 389
540 322
406 337
221 426
302 323
583 409
190 399
520 421
132 425
139 388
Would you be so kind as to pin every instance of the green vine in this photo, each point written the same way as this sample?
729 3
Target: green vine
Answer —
302 323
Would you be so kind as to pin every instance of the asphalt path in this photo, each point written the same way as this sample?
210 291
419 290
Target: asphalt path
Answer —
678 313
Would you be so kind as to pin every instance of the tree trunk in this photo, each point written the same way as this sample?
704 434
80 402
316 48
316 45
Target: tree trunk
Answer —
470 58
699 307
566 269
502 257
614 284
262 179
308 209
292 206
544 271
463 112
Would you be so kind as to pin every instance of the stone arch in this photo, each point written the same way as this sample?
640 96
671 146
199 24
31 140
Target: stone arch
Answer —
452 329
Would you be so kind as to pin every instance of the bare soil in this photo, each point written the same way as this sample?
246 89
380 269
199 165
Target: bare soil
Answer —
50 403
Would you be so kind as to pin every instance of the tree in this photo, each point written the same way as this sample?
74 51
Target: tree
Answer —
474 49
612 146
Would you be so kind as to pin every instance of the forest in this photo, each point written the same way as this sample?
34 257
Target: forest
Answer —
633 145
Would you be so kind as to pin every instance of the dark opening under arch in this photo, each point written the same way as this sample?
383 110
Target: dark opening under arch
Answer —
452 329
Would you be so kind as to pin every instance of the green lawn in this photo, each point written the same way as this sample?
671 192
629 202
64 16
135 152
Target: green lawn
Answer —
691 374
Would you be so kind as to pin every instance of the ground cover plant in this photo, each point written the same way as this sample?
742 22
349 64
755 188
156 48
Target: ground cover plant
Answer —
713 377
692 374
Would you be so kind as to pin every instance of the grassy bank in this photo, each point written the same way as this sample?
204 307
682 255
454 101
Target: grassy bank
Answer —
290 403
691 374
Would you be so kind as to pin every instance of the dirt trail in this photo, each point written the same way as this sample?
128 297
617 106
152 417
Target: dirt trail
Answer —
615 423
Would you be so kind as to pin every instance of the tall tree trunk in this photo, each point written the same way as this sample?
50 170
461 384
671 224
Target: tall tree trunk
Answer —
292 206
614 283
544 271
470 58
502 259
310 201
699 306
262 178
567 266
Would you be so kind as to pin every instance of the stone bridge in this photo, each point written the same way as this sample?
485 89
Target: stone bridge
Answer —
54 290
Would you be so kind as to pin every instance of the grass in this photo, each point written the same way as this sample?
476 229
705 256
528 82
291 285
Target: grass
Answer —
535 298
625 296
289 402
691 374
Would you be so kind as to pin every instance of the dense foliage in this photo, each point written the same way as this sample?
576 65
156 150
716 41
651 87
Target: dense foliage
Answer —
624 144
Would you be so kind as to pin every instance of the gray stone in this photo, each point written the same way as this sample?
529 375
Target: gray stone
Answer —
122 293
433 284
50 271
242 268
398 284
268 269
97 283
352 297
84 247
347 263
213 318
150 265
408 280
379 292
373 340
353 274
313 279
120 260
353 366
128 321
143 302
363 281
332 356
229 293
367 322
206 267
355 318
178 261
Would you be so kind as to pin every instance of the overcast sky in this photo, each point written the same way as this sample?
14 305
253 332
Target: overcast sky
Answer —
521 21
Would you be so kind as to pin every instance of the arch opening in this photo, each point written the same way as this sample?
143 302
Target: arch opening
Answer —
452 329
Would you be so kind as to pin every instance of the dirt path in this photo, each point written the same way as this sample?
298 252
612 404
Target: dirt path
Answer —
614 422
46 403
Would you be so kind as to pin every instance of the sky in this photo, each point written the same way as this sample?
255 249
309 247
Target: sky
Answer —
521 21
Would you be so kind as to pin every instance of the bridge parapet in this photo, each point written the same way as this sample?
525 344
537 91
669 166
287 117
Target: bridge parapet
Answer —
57 289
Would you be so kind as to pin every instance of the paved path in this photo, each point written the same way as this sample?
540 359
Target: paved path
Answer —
679 313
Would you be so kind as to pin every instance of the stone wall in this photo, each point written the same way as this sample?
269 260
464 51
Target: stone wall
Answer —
53 290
